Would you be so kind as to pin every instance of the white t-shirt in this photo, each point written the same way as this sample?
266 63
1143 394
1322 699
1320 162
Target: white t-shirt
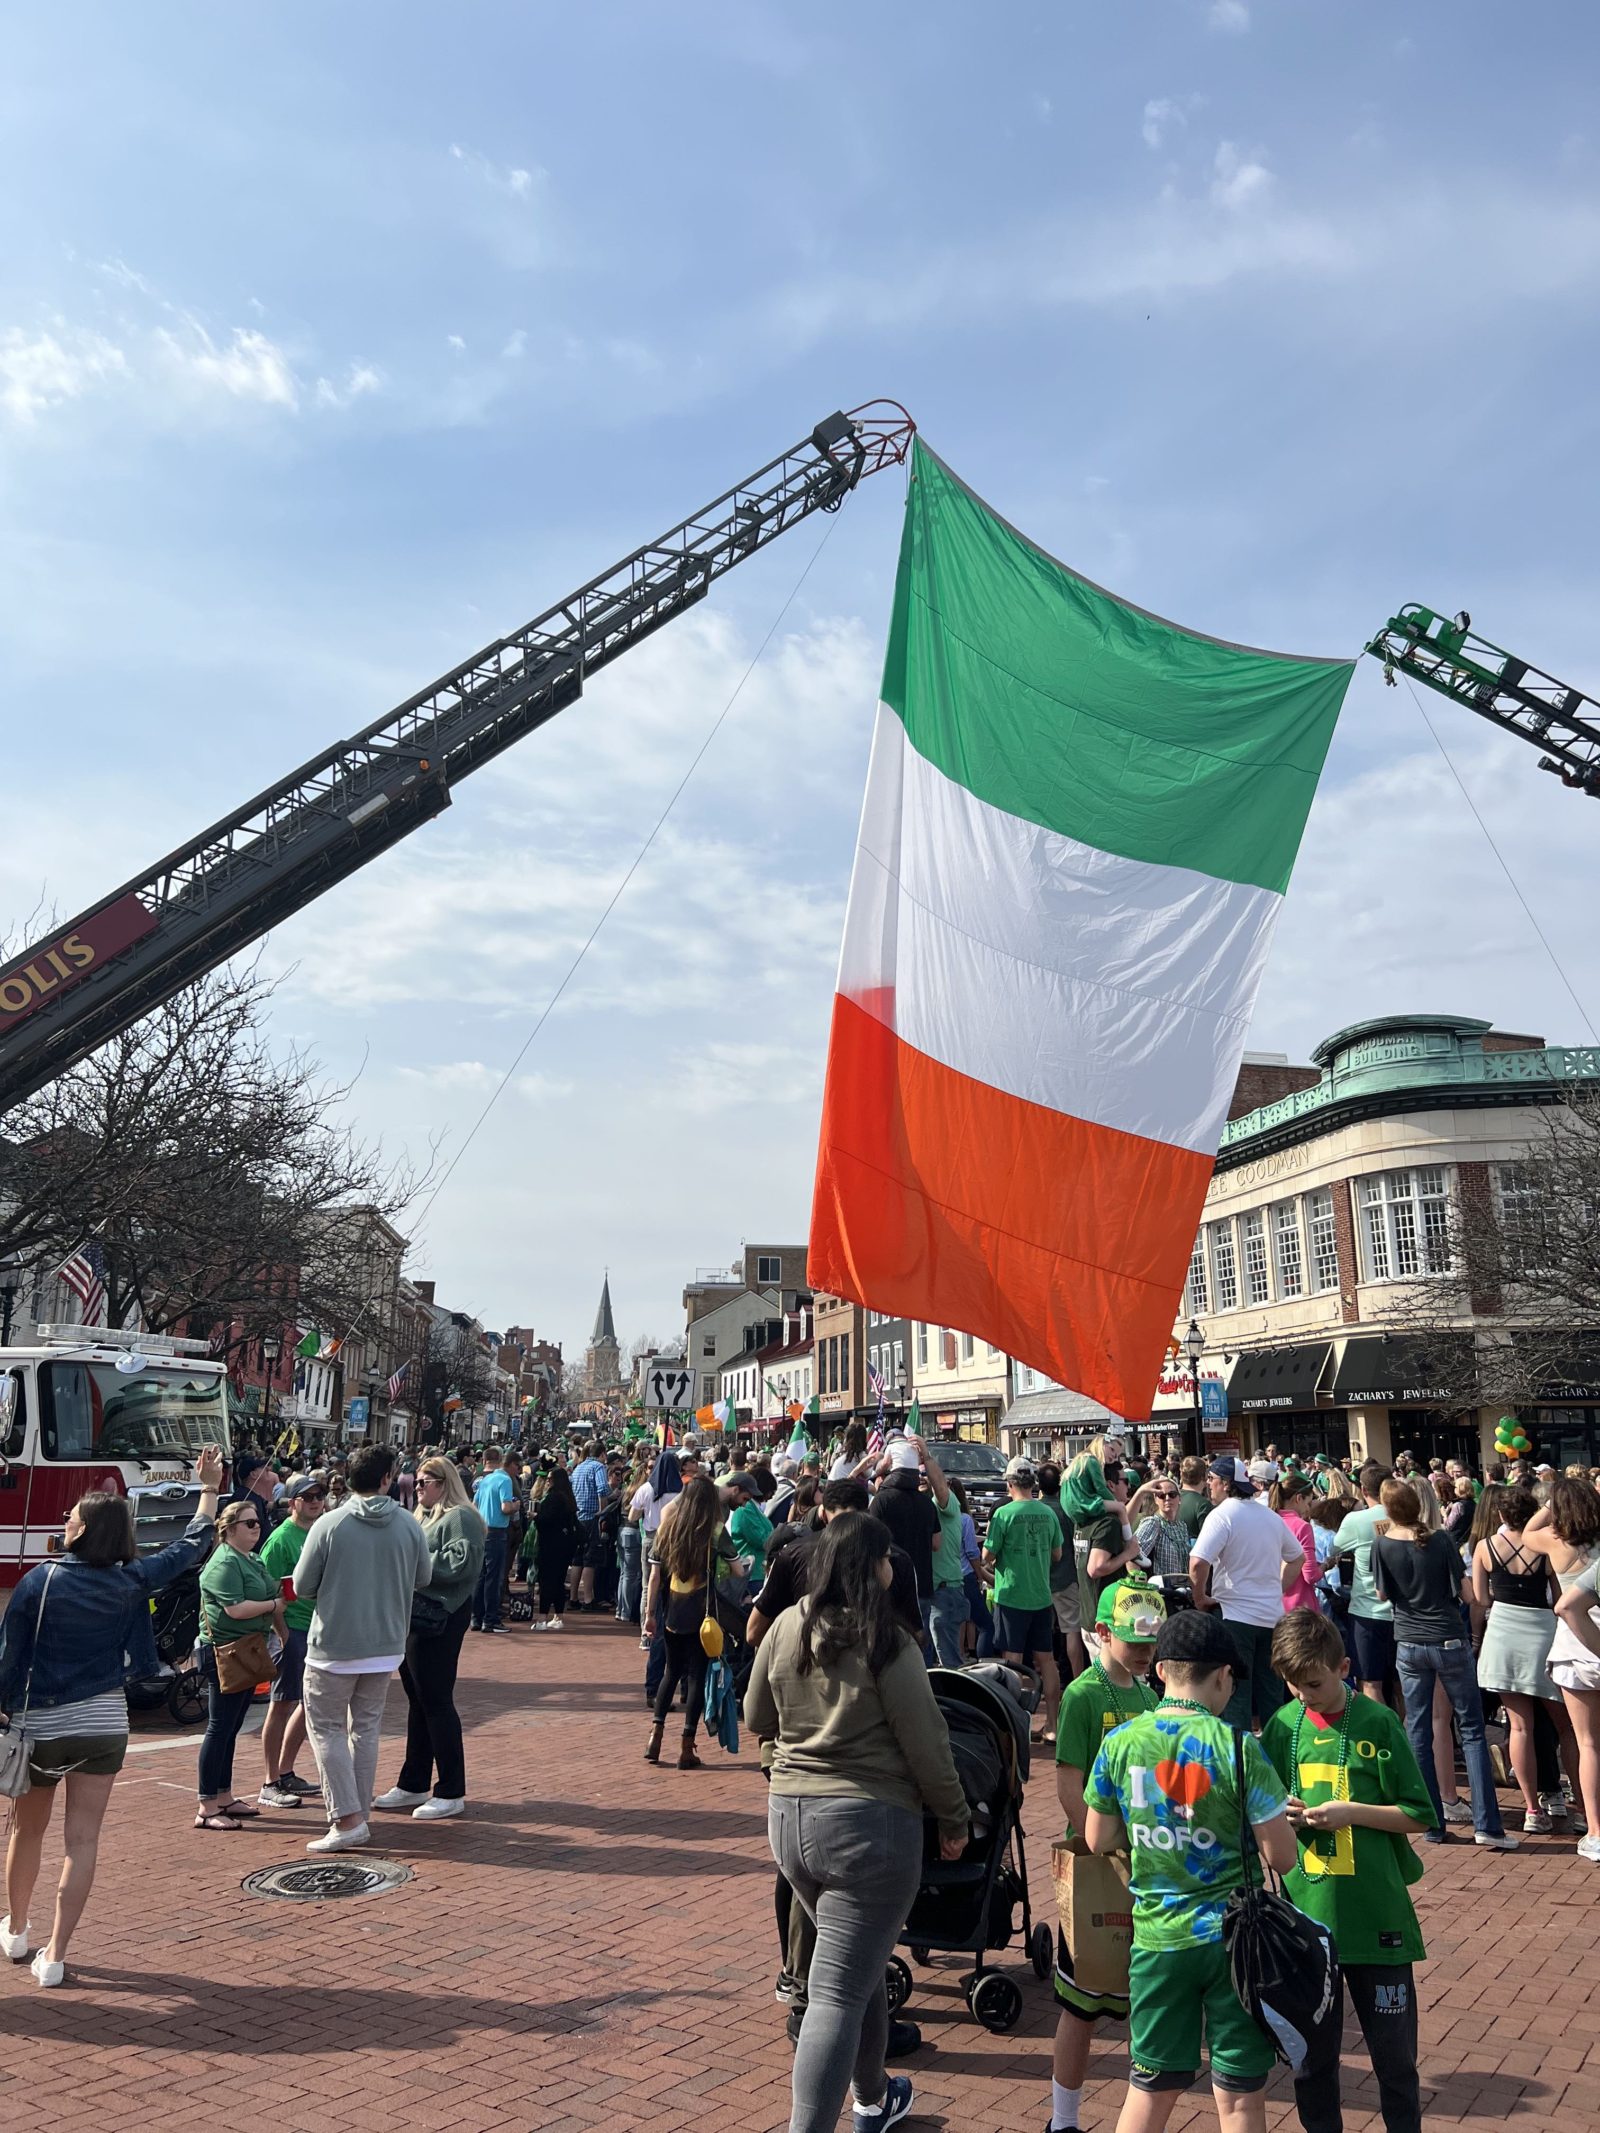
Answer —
1247 1544
645 1508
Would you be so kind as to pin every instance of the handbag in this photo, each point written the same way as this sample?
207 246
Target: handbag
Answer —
429 1614
15 1776
1283 1965
243 1662
711 1637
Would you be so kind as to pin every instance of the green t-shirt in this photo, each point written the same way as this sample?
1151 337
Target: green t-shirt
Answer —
1355 1537
1021 1536
280 1554
749 1528
1354 1881
1193 1505
1063 1575
948 1567
1170 1776
1102 1532
229 1577
1091 1707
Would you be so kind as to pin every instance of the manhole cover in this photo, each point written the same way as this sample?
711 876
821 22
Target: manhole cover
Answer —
315 1882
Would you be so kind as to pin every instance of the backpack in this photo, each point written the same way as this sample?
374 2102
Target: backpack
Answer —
1283 1965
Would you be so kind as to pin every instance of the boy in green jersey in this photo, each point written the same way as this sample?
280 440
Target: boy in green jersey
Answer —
1112 1689
1164 1788
1355 1797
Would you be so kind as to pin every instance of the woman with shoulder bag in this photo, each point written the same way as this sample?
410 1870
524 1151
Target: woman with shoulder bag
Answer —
691 1548
457 1538
62 1666
240 1600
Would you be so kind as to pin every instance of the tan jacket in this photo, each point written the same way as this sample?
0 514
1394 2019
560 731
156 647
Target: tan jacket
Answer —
842 1731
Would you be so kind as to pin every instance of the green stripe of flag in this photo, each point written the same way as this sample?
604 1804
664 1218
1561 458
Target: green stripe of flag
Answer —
1052 701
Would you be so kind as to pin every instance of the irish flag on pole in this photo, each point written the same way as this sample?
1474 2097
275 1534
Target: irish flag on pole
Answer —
1078 828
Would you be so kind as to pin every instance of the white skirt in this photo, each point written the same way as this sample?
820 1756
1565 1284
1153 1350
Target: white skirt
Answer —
1516 1650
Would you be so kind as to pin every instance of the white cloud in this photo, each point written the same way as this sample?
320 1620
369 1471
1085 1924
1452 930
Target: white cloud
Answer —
360 380
517 183
515 345
1237 180
1231 17
249 367
455 343
1161 114
60 363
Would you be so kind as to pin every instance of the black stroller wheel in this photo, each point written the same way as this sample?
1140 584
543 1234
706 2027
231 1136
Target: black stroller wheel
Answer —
996 2002
897 1982
1042 1951
186 1698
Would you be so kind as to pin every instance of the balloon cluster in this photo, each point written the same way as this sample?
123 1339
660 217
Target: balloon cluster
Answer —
1511 1440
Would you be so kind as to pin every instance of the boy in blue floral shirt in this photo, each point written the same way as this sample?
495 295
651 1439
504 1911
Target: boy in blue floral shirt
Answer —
1164 1789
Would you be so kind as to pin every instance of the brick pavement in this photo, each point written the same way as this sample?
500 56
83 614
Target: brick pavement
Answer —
593 1947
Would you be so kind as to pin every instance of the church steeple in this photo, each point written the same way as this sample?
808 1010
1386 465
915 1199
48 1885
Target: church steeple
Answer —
604 1328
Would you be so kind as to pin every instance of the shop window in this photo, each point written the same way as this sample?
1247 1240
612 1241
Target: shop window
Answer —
1286 1248
1253 1244
1405 1223
1321 1240
1195 1294
1224 1268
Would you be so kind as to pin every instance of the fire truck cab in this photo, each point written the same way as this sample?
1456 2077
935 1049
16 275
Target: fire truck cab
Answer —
84 1408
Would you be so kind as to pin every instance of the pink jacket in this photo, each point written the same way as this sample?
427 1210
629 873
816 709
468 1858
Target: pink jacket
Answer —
1303 1592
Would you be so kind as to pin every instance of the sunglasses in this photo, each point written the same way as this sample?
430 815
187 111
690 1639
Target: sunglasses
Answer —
1166 1495
247 1521
313 1495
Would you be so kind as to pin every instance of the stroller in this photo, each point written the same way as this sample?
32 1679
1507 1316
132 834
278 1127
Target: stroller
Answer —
971 1902
162 1668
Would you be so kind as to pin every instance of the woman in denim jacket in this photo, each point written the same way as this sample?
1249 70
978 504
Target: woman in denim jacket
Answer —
62 1683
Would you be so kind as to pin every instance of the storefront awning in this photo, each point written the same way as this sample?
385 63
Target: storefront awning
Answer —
1270 1380
1380 1370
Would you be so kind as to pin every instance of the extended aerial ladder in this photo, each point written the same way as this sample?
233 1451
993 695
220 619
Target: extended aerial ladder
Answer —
121 958
1551 715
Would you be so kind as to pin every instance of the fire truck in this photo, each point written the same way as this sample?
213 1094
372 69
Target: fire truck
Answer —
83 1408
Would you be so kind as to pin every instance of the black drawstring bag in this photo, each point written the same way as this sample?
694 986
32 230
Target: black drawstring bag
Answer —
1283 1965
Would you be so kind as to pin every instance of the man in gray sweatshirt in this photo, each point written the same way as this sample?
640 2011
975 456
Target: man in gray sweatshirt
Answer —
361 1565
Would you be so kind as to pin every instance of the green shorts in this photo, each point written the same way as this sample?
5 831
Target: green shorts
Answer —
1176 1994
93 1755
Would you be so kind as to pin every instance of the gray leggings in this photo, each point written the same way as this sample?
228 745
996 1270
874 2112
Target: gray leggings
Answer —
854 1865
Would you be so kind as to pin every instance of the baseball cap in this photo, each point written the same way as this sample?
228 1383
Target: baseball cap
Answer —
738 1478
305 1485
1544 1467
1263 1470
1024 1472
1233 1471
1194 1638
1132 1611
903 1455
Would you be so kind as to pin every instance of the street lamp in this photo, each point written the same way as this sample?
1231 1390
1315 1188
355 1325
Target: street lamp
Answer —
271 1349
1194 1346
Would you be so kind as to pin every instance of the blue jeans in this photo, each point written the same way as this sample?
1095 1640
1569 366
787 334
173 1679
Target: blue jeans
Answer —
950 1612
486 1600
1419 1666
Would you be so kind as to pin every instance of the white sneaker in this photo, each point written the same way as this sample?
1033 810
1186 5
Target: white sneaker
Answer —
1457 1811
555 1622
13 1946
46 1972
1556 1805
1589 1848
438 1810
342 1840
1496 1844
396 1798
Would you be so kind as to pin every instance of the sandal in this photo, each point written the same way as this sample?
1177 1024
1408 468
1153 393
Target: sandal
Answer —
241 1811
214 1821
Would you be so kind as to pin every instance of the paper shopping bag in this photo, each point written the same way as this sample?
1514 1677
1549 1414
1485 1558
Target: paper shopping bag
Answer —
1096 1917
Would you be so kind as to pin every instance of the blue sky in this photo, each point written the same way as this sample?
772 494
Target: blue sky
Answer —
333 341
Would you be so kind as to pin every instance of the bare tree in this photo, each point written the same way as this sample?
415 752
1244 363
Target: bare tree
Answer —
1516 1318
212 1171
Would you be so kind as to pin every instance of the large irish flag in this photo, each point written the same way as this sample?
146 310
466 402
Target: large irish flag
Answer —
1078 828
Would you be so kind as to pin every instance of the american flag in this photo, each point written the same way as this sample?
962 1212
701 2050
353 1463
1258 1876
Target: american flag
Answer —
85 1275
875 1380
875 1442
398 1380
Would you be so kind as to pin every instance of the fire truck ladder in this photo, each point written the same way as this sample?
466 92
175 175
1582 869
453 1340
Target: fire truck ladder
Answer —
1549 714
292 842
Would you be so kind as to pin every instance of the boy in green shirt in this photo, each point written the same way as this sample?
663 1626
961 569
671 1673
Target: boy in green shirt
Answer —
1164 1789
1111 1690
1355 1797
283 1730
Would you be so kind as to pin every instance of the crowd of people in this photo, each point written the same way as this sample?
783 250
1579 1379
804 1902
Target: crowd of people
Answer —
1301 1650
